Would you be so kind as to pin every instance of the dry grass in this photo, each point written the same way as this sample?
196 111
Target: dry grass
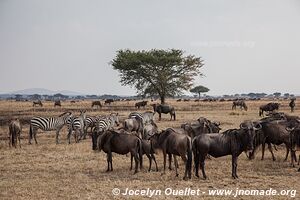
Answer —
50 171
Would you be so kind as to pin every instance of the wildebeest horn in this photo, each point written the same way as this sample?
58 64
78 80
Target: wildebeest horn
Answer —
289 129
257 127
242 126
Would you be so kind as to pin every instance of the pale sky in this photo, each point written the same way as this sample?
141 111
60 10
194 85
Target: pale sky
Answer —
247 46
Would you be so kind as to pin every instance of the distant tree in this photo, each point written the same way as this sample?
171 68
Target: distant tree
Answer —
35 97
157 72
199 89
18 96
60 96
286 95
277 94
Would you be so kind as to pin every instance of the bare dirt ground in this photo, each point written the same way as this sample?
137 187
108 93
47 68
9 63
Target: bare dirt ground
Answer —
50 171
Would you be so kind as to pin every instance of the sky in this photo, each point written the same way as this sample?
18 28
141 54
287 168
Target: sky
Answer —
247 46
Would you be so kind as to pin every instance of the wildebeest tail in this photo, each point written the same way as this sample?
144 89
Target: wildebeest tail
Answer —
13 135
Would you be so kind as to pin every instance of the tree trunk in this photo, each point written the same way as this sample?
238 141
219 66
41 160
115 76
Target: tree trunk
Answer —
162 99
199 95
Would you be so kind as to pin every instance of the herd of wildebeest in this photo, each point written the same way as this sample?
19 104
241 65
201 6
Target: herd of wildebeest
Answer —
196 140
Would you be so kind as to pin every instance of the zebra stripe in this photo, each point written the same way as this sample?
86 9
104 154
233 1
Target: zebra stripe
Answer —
77 125
146 117
107 123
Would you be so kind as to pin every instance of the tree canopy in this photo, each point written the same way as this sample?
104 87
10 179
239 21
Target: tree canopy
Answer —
157 72
199 89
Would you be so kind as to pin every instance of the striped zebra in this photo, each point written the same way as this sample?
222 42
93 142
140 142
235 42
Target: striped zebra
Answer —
90 122
146 117
48 124
77 125
107 123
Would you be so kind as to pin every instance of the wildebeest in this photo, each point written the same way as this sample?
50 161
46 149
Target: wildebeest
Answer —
273 132
111 141
147 149
176 144
141 104
57 103
164 108
270 107
96 104
178 100
134 124
48 124
295 142
15 130
292 105
73 101
240 103
37 103
108 101
202 125
231 142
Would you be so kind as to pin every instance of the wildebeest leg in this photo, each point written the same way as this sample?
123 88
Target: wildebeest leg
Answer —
202 165
165 158
196 162
69 136
287 153
170 161
271 150
9 140
234 166
19 138
150 162
131 160
263 150
107 158
293 155
176 165
136 160
159 114
154 159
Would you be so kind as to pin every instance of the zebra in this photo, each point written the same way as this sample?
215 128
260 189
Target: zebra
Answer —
90 122
77 125
48 124
107 123
146 117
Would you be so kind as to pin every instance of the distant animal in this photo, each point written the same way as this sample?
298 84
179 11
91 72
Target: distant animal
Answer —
73 101
121 143
77 126
96 104
57 103
108 101
231 142
149 151
141 104
146 117
176 144
48 124
270 107
186 99
37 103
164 108
240 103
292 105
15 130
178 100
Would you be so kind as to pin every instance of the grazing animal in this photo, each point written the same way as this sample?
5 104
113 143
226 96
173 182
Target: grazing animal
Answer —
176 144
292 105
96 104
231 142
15 130
141 104
108 101
48 124
164 108
107 123
270 107
134 124
146 117
178 100
111 141
295 142
90 122
240 103
73 101
57 103
77 125
37 103
149 129
149 151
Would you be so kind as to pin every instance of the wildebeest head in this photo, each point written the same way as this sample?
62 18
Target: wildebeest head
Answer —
250 129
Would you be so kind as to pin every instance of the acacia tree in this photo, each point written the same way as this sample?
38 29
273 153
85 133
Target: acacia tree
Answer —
199 89
165 73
